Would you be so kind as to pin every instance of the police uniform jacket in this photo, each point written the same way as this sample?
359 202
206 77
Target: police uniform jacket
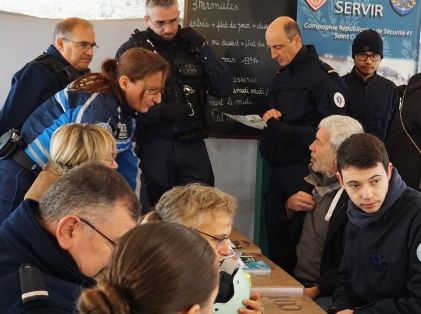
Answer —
79 107
373 102
191 65
24 240
381 267
333 247
37 81
404 139
305 91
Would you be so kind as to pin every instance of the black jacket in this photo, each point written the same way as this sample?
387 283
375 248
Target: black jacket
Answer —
333 247
373 102
305 91
402 143
381 268
24 240
212 75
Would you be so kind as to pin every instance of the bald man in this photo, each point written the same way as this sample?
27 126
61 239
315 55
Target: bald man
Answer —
304 91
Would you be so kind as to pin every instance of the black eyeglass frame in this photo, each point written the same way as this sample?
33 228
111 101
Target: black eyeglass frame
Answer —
84 45
375 57
98 231
220 240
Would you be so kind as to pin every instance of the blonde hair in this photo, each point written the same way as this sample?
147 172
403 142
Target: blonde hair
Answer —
73 144
188 205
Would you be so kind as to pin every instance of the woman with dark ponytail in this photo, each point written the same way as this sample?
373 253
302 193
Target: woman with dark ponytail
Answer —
156 268
127 85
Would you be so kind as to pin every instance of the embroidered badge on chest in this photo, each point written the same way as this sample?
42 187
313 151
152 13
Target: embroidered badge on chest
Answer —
419 252
339 100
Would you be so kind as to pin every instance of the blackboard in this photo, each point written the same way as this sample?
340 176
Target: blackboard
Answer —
236 30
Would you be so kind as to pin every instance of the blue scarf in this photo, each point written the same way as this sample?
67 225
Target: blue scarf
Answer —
362 219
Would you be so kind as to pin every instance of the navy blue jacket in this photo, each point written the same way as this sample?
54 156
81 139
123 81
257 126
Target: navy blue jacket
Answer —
381 266
24 240
31 86
305 91
373 102
79 107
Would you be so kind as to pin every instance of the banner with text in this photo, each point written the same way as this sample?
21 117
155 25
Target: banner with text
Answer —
332 25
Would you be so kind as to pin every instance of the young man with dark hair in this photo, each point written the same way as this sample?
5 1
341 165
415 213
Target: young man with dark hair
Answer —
373 99
381 265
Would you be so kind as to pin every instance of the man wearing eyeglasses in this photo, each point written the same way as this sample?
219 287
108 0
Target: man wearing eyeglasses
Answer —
373 99
65 60
171 135
53 249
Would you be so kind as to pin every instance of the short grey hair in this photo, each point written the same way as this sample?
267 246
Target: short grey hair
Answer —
158 3
65 27
340 128
90 190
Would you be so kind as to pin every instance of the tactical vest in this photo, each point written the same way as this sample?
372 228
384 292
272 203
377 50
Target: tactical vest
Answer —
185 84
65 73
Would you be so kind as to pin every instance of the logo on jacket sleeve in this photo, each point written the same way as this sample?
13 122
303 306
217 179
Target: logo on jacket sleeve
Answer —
419 252
339 100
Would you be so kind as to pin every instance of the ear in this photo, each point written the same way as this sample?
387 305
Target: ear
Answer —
340 179
389 170
194 309
66 231
59 44
124 81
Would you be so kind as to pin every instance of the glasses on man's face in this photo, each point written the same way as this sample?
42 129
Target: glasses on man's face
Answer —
363 56
83 45
218 240
161 24
97 231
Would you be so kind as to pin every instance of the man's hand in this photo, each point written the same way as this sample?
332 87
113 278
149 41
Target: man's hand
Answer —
253 306
301 202
345 312
189 35
312 292
272 113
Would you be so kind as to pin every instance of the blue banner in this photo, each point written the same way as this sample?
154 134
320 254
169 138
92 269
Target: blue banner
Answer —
332 25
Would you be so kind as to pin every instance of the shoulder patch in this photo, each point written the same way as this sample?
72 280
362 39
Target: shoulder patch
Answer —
329 70
339 99
419 252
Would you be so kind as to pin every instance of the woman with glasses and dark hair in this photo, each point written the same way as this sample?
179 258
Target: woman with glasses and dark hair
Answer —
127 85
209 212
174 270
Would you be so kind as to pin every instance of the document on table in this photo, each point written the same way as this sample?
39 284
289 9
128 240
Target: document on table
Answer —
251 120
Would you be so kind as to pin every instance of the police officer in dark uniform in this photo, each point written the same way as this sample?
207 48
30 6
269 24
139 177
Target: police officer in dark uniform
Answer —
52 250
171 135
304 91
65 60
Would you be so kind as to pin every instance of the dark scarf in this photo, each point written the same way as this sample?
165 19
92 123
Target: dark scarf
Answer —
362 219
323 184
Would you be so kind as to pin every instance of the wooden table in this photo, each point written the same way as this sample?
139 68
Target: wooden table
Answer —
280 292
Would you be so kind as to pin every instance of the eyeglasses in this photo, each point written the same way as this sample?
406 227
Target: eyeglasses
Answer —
96 230
218 240
161 24
363 56
83 45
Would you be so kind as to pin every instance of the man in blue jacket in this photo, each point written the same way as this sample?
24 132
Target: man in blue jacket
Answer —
381 266
51 250
304 91
171 135
65 60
